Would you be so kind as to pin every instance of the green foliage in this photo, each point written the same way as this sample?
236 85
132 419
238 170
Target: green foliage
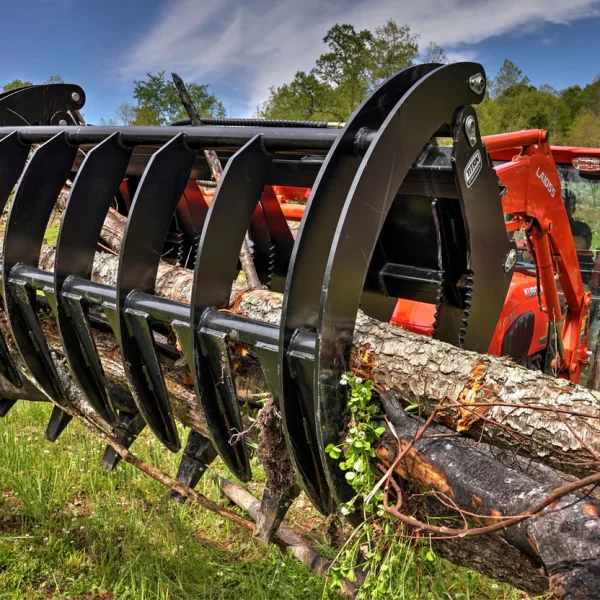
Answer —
435 54
358 449
15 84
158 102
71 530
55 79
571 116
386 553
356 61
585 130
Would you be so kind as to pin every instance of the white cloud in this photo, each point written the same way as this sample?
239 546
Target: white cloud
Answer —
254 44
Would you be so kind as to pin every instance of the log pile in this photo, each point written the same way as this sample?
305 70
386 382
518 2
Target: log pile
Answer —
501 445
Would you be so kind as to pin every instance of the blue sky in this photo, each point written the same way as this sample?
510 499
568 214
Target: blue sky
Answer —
241 47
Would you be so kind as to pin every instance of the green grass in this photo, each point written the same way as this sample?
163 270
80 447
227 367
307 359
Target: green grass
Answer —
69 529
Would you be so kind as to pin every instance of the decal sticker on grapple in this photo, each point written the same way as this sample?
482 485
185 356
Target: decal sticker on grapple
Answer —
473 168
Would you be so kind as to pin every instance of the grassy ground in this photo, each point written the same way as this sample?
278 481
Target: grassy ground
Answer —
69 529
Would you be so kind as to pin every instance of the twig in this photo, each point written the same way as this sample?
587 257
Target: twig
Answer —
217 171
287 536
157 474
532 512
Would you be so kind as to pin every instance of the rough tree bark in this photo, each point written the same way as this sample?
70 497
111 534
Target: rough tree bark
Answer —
421 370
417 369
564 538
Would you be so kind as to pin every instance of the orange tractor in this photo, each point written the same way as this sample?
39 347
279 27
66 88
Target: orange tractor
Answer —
470 243
547 305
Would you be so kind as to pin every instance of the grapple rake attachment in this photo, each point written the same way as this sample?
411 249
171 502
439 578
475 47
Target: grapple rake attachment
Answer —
391 215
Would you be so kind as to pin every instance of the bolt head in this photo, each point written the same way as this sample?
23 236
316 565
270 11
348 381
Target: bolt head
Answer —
75 97
62 122
471 130
477 83
510 261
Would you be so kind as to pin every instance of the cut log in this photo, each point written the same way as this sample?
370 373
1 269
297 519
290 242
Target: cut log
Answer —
418 370
549 419
564 538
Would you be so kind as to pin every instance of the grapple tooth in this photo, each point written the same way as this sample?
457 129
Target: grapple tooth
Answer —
59 420
5 406
34 200
304 432
174 245
198 454
154 204
238 193
487 280
129 427
191 213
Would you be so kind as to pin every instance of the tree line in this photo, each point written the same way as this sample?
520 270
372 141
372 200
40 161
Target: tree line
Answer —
353 64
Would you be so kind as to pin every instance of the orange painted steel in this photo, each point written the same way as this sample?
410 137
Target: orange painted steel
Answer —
534 201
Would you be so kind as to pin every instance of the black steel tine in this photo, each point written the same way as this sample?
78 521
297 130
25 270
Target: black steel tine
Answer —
130 426
228 219
34 200
272 241
191 213
260 246
488 244
154 204
198 453
57 424
5 406
305 279
417 116
91 196
8 368
13 156
281 237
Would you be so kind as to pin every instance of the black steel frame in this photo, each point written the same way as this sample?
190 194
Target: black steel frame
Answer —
378 175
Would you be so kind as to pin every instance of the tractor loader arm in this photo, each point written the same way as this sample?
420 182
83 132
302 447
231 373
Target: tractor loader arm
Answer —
534 201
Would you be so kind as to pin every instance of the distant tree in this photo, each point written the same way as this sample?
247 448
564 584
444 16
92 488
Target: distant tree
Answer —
590 96
585 130
508 77
158 102
15 84
55 79
304 98
125 114
394 48
435 54
346 67
342 77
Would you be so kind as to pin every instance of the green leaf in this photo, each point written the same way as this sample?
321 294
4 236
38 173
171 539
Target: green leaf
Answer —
430 556
411 407
380 431
350 475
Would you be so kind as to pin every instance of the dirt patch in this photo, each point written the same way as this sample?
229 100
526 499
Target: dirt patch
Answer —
10 523
272 451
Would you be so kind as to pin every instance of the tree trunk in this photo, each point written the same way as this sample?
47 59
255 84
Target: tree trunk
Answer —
564 538
425 371
523 403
